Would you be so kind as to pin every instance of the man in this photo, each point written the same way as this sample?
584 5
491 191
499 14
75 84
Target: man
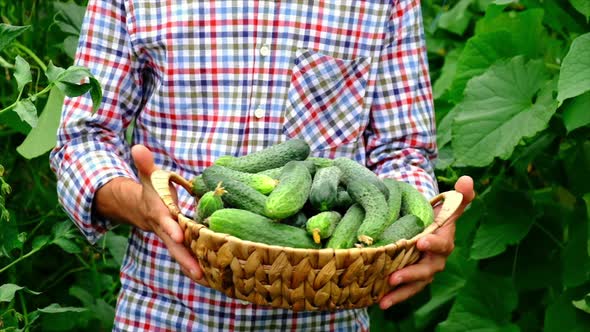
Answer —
203 79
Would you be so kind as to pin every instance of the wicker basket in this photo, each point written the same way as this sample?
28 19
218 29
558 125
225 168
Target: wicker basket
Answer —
297 279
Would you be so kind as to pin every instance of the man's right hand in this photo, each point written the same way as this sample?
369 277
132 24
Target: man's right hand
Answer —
126 201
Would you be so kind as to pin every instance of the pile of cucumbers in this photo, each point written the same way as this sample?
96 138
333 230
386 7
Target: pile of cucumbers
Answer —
283 196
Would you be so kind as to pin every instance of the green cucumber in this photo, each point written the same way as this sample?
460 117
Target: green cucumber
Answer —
253 227
414 202
405 227
394 202
275 173
210 202
344 235
239 195
322 225
272 157
324 188
352 169
343 200
224 160
320 162
375 205
262 183
199 188
292 192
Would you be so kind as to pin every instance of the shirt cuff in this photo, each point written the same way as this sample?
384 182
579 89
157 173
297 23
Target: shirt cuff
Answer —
80 176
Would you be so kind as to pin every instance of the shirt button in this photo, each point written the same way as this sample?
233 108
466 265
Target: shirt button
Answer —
259 112
264 50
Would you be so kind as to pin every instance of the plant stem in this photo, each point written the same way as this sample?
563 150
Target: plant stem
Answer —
30 253
42 92
25 312
33 56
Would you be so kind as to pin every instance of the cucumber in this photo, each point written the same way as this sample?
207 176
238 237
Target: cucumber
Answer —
344 235
260 182
375 205
320 162
239 195
210 202
272 157
405 227
394 201
351 168
292 192
343 200
250 226
413 202
199 188
275 173
322 225
224 160
324 188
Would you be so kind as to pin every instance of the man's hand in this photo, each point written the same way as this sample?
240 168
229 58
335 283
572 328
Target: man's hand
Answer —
126 201
436 247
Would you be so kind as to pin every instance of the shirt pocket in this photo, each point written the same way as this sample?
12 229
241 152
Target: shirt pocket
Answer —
325 99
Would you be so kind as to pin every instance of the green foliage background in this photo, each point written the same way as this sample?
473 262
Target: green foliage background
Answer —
511 83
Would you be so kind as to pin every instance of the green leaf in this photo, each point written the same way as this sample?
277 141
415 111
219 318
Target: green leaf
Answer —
446 285
586 199
27 112
509 102
582 6
55 308
9 239
70 16
8 33
457 19
7 292
53 72
22 73
95 94
583 304
576 114
485 303
507 221
40 241
448 71
43 138
117 246
73 90
574 76
561 315
67 245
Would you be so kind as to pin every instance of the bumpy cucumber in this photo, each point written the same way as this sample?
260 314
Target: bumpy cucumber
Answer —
320 162
344 235
262 183
239 195
250 226
275 173
351 168
343 200
292 192
322 225
272 157
375 205
210 202
413 202
324 188
199 188
405 227
394 201
224 160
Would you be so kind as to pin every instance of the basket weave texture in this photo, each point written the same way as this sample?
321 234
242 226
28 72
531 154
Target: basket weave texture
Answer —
294 278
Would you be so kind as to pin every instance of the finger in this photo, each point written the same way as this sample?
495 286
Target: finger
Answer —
424 270
464 185
183 257
172 229
143 159
442 242
401 294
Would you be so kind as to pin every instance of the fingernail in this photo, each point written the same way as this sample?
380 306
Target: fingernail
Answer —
396 281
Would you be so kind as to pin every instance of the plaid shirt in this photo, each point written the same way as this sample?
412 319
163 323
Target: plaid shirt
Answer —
203 79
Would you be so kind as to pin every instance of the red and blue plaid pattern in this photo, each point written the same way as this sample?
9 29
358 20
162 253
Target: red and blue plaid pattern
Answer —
203 79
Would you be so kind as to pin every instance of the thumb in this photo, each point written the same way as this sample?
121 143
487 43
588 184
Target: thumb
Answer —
143 160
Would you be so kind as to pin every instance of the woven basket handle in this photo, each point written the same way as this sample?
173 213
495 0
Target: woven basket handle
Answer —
161 180
451 201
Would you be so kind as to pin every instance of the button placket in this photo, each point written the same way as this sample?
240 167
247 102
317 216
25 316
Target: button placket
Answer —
264 51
